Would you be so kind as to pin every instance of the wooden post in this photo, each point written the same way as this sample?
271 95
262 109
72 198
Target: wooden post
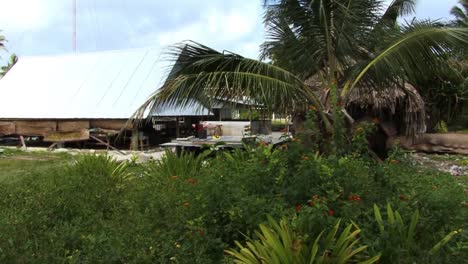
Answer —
50 148
134 140
177 129
109 145
23 143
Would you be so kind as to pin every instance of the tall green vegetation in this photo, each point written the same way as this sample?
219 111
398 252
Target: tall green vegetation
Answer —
183 210
460 14
445 91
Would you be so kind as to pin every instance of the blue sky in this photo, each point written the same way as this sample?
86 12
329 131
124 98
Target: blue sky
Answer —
35 27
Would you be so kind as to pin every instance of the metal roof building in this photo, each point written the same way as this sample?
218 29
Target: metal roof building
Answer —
64 97
96 85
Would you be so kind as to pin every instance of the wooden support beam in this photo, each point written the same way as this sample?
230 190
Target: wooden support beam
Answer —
23 143
52 146
134 140
177 128
107 144
61 136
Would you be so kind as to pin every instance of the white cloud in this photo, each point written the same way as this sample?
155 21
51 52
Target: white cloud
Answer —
238 30
26 15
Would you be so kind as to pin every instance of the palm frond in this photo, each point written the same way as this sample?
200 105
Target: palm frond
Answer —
460 14
288 49
203 75
310 34
12 61
419 47
2 42
399 8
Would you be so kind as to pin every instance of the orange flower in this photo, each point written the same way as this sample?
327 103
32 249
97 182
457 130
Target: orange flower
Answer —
186 204
355 198
192 181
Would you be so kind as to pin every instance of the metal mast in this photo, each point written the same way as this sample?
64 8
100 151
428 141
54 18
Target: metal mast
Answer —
74 26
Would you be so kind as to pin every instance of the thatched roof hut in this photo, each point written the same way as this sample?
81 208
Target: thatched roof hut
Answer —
401 105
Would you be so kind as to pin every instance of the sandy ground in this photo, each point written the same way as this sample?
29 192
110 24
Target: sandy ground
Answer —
456 165
139 156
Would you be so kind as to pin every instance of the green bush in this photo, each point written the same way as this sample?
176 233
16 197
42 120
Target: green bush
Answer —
189 209
277 243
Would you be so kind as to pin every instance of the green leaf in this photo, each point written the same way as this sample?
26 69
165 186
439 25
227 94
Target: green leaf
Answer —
391 217
412 227
378 218
315 247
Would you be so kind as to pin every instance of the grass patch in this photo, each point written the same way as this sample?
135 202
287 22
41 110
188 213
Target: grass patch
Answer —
15 163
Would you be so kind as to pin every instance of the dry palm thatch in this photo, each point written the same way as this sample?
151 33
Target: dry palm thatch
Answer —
403 100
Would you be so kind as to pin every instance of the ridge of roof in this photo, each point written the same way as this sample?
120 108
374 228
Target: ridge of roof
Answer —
94 52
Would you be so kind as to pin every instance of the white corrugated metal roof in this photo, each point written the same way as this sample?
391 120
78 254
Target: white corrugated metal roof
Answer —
110 84
190 110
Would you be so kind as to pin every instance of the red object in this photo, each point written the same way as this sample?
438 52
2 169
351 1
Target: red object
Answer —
331 212
201 232
298 208
354 198
186 204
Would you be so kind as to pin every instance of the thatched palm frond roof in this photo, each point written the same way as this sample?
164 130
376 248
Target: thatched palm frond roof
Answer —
404 100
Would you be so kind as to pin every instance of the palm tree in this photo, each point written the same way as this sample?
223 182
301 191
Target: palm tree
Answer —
6 68
348 47
461 13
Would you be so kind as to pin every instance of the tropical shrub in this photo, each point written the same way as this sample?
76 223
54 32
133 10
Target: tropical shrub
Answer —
189 209
277 243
